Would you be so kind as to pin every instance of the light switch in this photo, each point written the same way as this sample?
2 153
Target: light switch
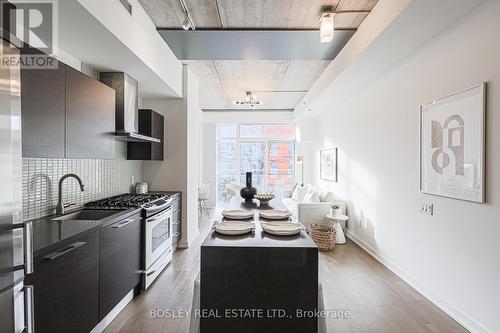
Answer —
426 208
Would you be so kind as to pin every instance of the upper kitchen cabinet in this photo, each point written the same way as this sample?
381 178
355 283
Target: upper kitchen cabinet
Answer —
142 129
151 124
90 117
43 111
65 113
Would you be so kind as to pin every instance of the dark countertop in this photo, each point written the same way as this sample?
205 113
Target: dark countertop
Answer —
173 193
258 238
47 233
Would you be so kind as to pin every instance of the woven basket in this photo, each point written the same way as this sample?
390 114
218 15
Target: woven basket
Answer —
323 235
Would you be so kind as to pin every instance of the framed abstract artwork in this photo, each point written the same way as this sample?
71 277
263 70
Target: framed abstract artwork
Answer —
328 164
452 145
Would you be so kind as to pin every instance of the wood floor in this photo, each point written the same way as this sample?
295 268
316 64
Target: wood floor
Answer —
352 281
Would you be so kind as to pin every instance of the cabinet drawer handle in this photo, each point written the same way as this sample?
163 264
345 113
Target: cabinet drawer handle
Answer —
177 234
122 224
29 311
27 246
68 249
177 222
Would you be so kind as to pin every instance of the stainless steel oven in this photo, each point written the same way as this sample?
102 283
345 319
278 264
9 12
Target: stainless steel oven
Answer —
157 244
156 228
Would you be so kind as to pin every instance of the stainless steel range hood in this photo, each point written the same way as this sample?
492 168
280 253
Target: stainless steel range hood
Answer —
126 117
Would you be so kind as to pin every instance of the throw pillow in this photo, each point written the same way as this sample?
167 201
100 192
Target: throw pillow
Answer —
311 196
329 197
299 193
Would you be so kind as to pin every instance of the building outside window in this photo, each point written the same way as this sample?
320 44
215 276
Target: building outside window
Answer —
266 150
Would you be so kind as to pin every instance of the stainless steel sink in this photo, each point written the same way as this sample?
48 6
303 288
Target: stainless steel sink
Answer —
88 215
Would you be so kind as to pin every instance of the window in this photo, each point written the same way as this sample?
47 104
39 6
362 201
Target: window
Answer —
253 159
226 158
266 150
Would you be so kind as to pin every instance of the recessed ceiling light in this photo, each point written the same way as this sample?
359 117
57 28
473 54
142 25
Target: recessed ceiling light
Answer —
327 27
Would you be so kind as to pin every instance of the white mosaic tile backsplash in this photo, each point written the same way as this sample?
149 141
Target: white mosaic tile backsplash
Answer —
102 178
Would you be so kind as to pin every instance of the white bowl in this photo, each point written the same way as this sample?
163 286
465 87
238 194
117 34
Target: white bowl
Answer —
233 228
281 228
238 214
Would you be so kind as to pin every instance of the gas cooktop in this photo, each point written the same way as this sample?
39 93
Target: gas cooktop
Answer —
146 200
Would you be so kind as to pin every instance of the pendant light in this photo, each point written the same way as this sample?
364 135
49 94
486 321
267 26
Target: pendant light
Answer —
327 26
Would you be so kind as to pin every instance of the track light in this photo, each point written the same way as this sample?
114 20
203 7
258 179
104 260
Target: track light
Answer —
186 24
327 26
188 21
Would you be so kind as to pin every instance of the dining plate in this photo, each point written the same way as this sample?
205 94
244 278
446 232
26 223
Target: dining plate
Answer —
274 214
233 228
281 228
237 214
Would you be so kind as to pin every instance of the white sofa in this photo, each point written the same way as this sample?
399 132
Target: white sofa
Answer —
311 212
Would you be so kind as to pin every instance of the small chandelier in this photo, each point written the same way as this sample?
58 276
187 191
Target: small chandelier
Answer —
250 99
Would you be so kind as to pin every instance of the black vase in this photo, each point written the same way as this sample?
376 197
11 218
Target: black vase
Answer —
248 192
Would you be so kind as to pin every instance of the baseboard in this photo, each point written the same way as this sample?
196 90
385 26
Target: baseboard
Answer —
113 313
183 244
462 318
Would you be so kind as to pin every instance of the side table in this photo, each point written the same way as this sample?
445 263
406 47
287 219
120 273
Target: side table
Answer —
340 237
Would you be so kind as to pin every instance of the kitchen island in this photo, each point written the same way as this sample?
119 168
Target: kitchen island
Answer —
258 282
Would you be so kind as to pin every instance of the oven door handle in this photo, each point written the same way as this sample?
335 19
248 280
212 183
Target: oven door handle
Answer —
158 217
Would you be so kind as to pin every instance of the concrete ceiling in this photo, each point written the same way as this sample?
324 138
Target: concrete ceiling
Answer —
279 84
257 14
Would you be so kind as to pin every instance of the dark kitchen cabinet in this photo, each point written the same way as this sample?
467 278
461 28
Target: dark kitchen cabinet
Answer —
66 286
177 220
120 262
43 111
151 124
90 117
65 113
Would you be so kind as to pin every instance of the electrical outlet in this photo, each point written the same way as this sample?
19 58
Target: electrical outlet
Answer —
427 208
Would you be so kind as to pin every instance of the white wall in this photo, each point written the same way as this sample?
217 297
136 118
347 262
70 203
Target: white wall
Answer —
68 59
306 150
209 161
194 134
180 169
248 117
138 33
451 257
307 137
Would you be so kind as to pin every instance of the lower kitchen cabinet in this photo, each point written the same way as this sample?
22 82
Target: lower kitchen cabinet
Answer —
120 262
66 286
79 281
